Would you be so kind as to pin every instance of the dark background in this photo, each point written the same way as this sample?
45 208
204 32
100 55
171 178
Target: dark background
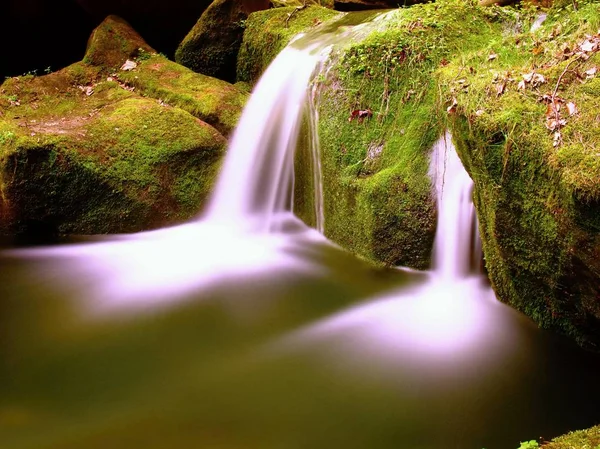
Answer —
37 34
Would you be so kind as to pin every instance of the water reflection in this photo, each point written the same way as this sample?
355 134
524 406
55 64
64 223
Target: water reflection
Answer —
324 352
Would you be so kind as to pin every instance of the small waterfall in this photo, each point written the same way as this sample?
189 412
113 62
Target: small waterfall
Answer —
257 178
456 249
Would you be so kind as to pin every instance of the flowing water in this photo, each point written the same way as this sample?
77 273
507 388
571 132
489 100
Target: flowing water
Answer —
247 329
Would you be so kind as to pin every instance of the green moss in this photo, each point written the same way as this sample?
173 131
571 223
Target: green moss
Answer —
211 100
581 439
537 201
212 45
268 32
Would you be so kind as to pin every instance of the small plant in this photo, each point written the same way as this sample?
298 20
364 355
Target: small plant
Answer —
6 136
531 444
48 70
143 55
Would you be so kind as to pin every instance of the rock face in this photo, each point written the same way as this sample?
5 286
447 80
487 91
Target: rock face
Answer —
212 45
88 149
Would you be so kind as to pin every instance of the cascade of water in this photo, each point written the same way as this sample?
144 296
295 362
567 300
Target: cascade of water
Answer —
457 238
257 178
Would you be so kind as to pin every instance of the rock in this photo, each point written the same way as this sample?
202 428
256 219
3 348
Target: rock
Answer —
113 43
111 161
212 45
211 100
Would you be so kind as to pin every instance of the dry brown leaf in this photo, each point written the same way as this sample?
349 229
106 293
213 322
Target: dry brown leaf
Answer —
591 72
500 88
452 108
572 108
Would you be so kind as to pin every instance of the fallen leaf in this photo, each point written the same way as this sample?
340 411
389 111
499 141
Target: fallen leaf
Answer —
591 72
557 139
479 112
452 108
492 56
500 88
538 79
528 77
129 65
588 46
572 108
521 85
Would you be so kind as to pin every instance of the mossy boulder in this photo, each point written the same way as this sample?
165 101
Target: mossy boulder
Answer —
211 100
211 47
379 117
113 42
525 125
268 32
98 158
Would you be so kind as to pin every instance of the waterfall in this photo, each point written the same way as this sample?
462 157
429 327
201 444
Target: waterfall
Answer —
257 177
456 247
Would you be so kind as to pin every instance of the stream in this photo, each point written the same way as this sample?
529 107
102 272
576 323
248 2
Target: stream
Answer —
247 329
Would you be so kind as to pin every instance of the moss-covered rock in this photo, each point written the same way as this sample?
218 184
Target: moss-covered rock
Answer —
580 439
534 160
379 117
211 47
211 100
113 42
97 157
268 32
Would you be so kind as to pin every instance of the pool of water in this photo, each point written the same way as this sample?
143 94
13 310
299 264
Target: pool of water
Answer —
196 337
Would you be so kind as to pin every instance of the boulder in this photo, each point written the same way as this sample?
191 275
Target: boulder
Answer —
97 157
212 45
528 135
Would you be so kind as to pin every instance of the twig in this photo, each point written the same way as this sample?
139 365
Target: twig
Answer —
289 16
